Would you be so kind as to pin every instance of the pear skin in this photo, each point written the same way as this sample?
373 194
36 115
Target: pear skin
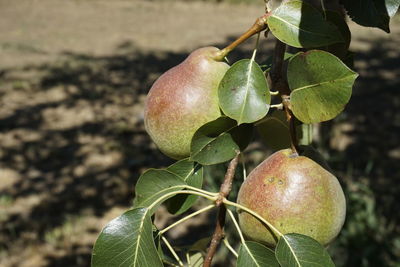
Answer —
296 195
182 100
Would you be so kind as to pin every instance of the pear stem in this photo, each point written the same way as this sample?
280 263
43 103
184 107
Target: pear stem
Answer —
259 25
277 106
274 92
256 215
186 218
280 84
171 249
230 248
224 191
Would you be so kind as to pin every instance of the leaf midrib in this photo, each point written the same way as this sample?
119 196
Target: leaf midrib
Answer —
139 237
251 255
247 89
161 192
322 83
212 139
297 27
291 250
184 178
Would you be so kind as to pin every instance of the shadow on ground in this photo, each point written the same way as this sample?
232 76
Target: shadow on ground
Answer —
73 142
368 159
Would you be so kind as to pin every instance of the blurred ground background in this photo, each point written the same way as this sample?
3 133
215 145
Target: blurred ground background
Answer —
73 79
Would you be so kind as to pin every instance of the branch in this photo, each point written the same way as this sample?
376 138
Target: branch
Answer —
280 84
278 80
258 26
224 191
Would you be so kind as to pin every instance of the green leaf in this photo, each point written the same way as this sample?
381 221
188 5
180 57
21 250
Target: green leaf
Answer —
243 92
127 241
295 250
253 254
157 242
155 183
192 174
339 21
196 260
372 13
321 85
274 131
339 49
218 141
304 134
298 24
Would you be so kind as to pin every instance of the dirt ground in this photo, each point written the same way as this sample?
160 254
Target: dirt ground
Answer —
73 78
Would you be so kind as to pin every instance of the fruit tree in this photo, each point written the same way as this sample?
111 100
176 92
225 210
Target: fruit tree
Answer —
204 112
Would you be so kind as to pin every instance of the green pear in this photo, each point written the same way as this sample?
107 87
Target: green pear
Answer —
182 100
294 194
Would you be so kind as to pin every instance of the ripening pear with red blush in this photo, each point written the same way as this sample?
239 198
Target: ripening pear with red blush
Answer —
182 100
294 194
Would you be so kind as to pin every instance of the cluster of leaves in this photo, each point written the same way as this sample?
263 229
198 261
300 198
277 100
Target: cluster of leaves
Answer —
132 240
320 86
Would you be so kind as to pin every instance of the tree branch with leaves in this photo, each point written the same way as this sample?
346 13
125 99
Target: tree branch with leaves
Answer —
204 112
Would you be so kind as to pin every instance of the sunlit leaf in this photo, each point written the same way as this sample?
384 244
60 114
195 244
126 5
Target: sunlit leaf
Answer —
321 85
196 260
304 134
253 254
155 183
295 250
127 241
243 92
298 24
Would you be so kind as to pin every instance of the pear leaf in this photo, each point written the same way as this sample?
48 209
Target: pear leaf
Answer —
127 241
321 85
196 260
243 92
304 134
219 141
192 174
274 131
372 13
296 250
298 24
253 254
154 184
338 49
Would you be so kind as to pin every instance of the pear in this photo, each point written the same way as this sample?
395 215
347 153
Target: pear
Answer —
296 195
182 100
